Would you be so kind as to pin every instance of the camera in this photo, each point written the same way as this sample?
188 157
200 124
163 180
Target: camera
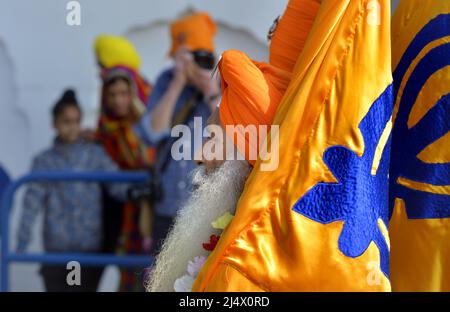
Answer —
204 59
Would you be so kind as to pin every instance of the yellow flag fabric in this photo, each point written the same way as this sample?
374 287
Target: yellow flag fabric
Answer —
319 221
420 165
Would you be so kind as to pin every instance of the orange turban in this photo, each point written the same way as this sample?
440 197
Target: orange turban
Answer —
195 31
251 91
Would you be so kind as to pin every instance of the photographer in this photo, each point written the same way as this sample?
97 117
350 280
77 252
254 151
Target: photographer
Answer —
181 93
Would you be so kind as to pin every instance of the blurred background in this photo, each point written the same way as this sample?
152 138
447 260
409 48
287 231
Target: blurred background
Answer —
40 55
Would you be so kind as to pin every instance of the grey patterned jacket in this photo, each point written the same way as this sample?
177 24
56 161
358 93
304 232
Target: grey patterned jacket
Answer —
72 210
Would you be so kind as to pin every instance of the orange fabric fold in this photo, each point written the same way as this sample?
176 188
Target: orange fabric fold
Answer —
291 33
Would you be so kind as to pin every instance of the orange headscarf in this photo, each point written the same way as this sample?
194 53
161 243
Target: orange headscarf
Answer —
252 90
195 31
116 134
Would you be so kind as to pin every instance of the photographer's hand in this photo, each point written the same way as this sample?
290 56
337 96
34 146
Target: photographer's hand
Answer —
163 111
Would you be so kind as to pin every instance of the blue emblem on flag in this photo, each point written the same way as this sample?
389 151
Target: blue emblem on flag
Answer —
358 198
408 143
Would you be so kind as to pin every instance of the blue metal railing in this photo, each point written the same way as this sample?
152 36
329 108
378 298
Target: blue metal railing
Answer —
62 258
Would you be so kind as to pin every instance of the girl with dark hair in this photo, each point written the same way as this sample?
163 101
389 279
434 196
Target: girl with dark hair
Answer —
72 210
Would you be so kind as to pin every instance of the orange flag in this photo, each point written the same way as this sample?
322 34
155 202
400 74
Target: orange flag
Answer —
318 221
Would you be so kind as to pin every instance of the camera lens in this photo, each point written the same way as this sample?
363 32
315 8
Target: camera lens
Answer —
204 59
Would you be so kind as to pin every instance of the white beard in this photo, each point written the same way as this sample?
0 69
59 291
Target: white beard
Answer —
215 194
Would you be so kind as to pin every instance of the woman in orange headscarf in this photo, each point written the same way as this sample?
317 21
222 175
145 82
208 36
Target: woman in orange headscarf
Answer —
124 97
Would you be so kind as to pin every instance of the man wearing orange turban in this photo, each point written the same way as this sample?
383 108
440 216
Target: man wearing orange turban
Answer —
181 93
255 103
251 92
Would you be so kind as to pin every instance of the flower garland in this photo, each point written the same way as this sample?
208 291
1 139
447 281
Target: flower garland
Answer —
185 283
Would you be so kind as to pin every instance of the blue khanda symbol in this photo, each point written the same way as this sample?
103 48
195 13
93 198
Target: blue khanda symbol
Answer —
359 199
408 143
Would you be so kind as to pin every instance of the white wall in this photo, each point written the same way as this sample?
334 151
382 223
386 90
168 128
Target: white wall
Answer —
40 55
11 117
